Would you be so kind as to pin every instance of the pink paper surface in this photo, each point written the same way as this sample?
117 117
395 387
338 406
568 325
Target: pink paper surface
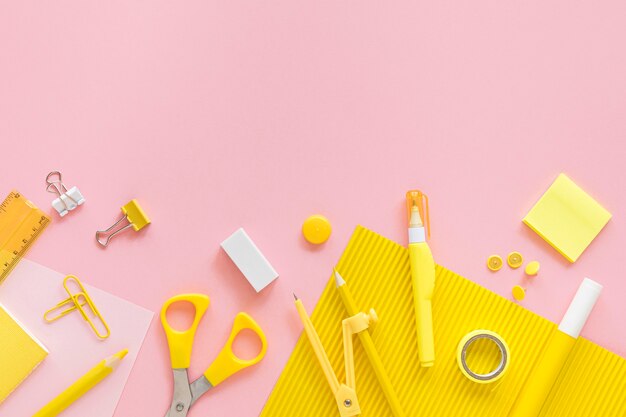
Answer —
257 114
73 348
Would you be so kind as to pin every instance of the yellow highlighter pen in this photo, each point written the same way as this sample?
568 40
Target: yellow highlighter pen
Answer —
422 274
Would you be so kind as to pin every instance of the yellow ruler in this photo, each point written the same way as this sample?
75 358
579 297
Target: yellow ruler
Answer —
21 222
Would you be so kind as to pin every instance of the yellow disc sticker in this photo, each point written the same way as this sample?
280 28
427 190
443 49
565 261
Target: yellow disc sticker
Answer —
515 260
532 268
494 262
316 229
519 293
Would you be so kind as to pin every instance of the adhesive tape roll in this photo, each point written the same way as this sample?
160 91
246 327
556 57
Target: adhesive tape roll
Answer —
493 375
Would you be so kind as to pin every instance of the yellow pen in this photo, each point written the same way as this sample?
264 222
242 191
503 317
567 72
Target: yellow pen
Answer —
422 274
81 386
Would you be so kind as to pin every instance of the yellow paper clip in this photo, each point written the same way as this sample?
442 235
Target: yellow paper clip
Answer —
133 214
77 301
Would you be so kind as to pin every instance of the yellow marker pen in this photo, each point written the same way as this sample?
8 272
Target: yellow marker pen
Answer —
422 274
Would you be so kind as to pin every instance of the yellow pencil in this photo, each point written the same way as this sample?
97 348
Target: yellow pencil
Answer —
80 387
370 349
316 344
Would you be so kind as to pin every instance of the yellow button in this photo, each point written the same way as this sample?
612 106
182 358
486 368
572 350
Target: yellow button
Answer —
532 268
494 262
515 260
316 229
519 293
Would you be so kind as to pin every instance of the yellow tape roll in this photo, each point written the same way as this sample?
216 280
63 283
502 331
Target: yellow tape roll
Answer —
492 376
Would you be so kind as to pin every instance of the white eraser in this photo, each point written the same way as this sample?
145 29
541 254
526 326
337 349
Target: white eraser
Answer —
249 259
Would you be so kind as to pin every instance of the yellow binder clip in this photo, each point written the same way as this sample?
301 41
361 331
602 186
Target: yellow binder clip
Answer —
133 214
78 301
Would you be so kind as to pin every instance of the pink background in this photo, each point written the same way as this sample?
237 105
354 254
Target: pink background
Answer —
217 115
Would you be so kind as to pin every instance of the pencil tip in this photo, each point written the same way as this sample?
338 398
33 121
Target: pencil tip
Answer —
339 279
113 361
295 296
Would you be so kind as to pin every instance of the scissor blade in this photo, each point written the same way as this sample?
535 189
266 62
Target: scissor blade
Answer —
181 400
199 387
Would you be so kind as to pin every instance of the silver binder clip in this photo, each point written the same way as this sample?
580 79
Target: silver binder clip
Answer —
68 200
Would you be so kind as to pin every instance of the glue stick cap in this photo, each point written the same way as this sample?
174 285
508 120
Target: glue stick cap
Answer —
580 307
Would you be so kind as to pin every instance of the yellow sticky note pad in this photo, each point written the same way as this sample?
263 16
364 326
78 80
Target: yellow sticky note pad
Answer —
567 218
20 353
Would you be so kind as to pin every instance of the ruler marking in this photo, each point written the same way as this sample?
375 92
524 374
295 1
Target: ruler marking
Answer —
21 220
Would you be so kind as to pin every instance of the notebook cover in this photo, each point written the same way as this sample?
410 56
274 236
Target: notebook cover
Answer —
378 273
20 353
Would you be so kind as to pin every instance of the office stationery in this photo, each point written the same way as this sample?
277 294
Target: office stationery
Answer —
134 216
592 383
249 259
316 229
77 299
20 353
344 393
533 395
567 218
370 349
423 274
81 386
492 375
30 290
532 268
515 260
494 263
21 223
67 200
180 343
518 292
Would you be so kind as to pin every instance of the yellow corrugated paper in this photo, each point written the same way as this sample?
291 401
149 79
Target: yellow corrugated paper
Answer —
377 271
592 383
20 353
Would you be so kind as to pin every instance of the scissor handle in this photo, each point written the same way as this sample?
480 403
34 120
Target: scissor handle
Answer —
181 342
227 363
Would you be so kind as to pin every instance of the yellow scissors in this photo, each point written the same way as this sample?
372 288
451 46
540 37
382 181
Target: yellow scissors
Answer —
225 365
